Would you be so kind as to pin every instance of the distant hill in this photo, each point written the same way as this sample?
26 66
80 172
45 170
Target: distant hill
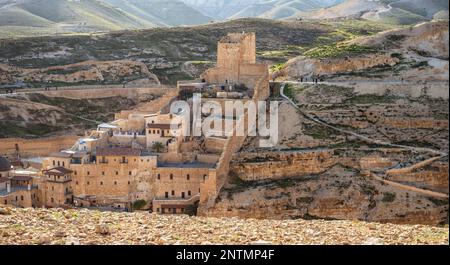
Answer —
274 9
387 11
78 16
161 12
19 18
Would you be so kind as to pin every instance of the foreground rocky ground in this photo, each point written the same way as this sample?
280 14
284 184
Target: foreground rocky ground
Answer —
57 226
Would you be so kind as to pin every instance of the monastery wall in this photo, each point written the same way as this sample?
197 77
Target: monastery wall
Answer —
211 187
36 147
104 92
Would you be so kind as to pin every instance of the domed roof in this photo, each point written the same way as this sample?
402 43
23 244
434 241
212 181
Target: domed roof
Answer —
4 164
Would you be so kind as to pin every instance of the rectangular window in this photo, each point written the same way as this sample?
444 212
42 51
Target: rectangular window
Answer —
167 195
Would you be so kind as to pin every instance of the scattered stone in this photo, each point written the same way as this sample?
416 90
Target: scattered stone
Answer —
261 243
102 229
25 225
60 233
5 211
72 241
373 241
44 240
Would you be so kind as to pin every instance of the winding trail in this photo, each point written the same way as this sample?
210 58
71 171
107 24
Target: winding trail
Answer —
359 136
367 139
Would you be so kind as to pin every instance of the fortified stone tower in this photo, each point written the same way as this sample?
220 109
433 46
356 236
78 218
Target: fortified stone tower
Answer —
236 61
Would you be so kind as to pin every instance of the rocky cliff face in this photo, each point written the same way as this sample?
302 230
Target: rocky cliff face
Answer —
81 73
318 172
338 193
415 53
37 115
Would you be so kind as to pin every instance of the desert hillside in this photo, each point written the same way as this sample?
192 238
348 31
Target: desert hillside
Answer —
84 227
418 53
176 53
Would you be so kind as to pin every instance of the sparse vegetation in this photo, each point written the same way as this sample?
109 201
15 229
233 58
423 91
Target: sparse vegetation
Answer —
158 147
338 51
388 197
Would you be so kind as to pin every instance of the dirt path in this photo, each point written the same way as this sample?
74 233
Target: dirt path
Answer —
359 136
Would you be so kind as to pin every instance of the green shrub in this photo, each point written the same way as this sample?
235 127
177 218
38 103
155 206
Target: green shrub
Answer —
139 204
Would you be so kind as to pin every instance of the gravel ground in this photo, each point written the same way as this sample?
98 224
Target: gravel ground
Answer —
73 227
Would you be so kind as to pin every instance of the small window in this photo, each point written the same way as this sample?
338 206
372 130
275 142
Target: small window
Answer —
173 193
88 173
189 193
171 176
52 200
129 173
88 183
188 177
54 163
129 183
159 176
115 182
21 197
117 173
103 173
101 183
166 195
76 182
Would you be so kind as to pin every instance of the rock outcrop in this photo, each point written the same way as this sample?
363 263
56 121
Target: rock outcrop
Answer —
106 72
415 53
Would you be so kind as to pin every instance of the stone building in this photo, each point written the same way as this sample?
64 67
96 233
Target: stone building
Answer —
117 164
18 187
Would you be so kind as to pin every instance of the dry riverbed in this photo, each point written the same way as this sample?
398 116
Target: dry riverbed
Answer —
85 227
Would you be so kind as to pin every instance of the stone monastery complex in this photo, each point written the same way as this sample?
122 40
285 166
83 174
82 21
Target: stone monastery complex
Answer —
140 157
